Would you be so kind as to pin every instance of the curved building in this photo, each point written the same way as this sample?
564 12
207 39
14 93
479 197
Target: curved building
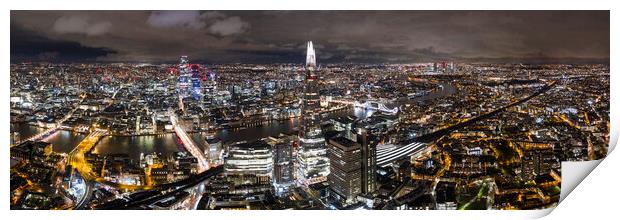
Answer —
249 163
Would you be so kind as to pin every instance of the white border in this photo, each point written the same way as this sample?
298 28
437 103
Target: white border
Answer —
605 173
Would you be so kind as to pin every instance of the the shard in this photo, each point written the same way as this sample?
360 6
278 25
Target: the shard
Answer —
313 164
310 56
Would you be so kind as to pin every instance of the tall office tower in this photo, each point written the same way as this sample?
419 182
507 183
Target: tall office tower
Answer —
313 163
210 85
196 89
345 165
282 161
368 144
310 56
185 76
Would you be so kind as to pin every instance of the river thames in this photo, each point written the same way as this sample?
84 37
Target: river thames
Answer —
64 141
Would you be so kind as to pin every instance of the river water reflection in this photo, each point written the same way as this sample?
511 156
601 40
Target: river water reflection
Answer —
166 144
62 141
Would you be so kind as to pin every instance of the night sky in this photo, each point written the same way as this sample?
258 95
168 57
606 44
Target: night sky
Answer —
338 36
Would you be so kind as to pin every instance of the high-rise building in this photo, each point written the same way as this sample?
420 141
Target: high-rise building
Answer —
310 56
313 164
282 161
185 76
196 89
210 85
345 178
249 163
368 143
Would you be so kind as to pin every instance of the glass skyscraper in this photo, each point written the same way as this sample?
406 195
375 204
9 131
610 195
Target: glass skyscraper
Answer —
313 164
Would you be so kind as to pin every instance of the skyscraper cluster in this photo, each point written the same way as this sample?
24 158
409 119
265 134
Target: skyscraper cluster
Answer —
189 79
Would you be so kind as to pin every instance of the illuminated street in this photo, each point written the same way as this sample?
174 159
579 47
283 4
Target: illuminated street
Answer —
301 110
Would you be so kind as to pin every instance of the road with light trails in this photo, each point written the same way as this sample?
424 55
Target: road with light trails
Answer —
193 149
77 158
188 143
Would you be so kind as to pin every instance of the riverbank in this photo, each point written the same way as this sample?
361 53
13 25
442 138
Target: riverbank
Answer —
167 142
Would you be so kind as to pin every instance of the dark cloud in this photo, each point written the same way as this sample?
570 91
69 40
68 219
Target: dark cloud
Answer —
339 36
27 46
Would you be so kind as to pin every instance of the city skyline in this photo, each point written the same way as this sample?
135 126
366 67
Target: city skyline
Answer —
446 134
339 36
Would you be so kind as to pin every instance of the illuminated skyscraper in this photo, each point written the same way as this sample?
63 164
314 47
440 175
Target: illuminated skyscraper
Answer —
185 76
196 89
368 143
282 162
313 164
345 178
310 56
